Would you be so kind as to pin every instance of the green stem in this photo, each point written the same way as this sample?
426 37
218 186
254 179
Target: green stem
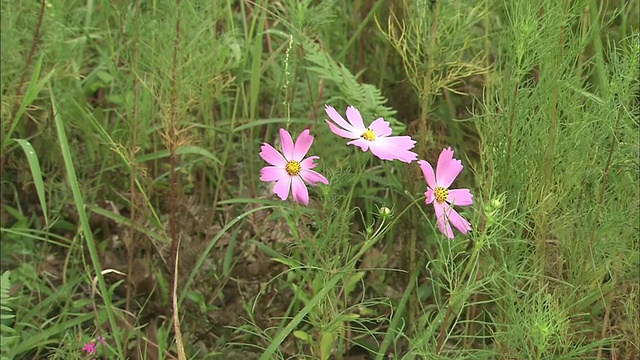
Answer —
453 299
84 219
400 310
369 242
427 90
363 24
600 68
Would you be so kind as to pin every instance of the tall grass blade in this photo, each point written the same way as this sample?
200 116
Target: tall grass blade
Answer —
82 215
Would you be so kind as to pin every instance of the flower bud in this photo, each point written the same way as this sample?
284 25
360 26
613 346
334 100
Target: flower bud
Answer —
496 203
385 213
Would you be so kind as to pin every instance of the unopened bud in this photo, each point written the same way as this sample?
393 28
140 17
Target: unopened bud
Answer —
385 212
496 203
369 231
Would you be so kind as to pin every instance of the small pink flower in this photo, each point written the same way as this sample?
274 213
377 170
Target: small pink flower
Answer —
376 137
291 171
101 339
442 198
90 347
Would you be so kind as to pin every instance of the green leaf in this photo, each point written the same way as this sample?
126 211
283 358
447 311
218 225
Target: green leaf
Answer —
288 262
6 329
326 345
302 336
185 150
282 335
262 122
33 89
127 222
36 173
349 317
352 281
87 233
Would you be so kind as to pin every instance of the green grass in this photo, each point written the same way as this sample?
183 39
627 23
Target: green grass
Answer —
132 207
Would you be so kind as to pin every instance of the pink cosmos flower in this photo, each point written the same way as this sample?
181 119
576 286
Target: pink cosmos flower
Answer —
288 169
375 137
442 197
90 347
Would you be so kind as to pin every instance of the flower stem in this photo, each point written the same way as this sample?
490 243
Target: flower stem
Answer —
453 299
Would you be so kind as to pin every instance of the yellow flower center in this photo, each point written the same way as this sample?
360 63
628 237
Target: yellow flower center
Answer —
368 135
441 194
293 168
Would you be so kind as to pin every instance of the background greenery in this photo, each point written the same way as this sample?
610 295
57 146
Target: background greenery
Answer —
131 132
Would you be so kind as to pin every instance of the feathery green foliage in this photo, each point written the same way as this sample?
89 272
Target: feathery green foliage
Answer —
7 332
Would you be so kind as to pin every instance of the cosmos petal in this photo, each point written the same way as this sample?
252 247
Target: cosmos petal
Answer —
272 173
380 127
394 148
430 194
445 156
355 119
443 221
428 173
458 221
287 144
342 133
302 145
460 197
299 190
312 177
309 163
379 150
361 143
282 187
448 168
400 142
269 154
338 119
406 155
